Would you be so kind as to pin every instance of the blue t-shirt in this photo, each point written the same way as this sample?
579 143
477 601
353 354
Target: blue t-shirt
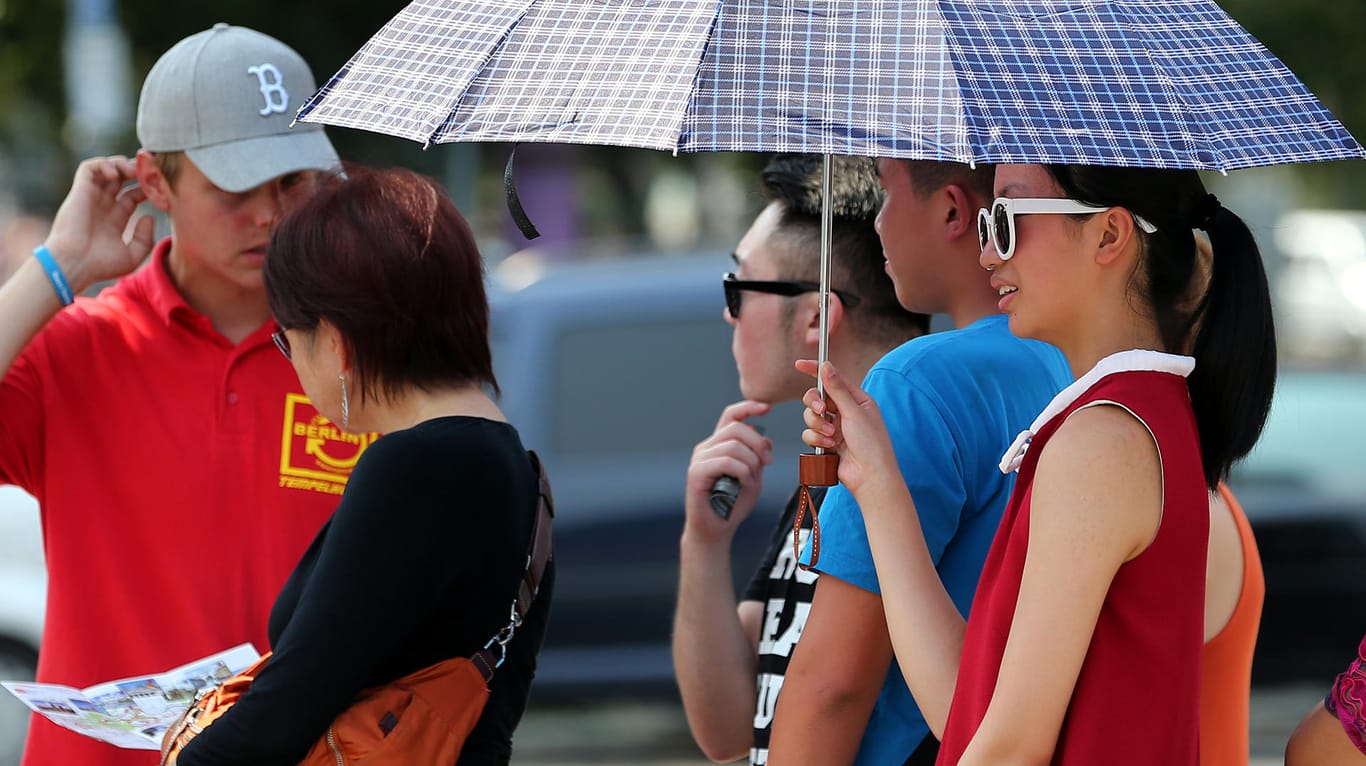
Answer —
953 403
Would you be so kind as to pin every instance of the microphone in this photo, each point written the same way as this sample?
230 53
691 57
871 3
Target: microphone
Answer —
723 494
726 489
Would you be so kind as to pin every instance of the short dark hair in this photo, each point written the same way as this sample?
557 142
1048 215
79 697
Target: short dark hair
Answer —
384 256
1230 330
856 265
929 176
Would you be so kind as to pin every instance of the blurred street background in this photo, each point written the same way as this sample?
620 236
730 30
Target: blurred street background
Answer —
616 440
655 733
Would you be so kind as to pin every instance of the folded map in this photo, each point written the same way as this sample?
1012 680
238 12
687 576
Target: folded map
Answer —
132 712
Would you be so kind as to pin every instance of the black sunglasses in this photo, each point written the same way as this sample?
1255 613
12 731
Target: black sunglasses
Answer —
282 341
735 287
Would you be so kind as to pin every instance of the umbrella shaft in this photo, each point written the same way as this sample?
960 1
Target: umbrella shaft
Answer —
827 237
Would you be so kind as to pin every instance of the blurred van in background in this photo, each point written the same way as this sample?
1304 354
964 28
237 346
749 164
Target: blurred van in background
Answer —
612 369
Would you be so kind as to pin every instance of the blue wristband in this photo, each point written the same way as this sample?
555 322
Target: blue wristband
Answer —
54 274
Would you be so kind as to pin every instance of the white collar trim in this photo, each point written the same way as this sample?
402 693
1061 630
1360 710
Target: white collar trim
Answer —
1137 360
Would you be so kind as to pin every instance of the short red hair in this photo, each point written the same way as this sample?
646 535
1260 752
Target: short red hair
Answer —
385 257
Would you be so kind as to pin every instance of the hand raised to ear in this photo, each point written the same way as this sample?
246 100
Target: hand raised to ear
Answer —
87 236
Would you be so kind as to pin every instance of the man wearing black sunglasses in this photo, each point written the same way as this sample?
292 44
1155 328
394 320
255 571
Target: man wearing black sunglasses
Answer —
721 647
953 401
735 289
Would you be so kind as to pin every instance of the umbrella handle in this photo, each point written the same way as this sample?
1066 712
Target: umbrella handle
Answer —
813 470
818 470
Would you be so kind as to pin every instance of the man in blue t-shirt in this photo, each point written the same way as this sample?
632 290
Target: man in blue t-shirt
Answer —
953 402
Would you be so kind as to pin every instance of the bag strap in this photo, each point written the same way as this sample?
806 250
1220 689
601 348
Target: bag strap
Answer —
489 658
539 555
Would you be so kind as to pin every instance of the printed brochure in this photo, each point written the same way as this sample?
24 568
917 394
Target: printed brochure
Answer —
132 712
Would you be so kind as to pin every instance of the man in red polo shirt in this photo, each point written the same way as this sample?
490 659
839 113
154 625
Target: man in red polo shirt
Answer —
180 469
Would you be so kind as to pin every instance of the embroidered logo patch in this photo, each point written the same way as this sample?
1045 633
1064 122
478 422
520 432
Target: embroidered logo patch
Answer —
314 453
272 89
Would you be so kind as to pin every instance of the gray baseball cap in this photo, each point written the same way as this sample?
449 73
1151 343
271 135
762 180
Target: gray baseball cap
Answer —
226 96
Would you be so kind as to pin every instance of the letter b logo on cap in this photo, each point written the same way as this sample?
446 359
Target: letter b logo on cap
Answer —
221 97
272 85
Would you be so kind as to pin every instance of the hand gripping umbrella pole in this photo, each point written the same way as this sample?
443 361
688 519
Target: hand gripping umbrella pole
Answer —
819 468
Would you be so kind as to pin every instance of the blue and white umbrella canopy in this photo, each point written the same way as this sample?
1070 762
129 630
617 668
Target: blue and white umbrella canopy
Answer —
1150 83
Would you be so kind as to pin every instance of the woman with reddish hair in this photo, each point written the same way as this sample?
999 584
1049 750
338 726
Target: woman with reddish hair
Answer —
378 289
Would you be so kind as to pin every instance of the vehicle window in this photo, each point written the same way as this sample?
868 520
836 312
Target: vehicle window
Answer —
665 384
1312 438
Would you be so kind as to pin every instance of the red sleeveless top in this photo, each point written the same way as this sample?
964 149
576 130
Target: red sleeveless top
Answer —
1136 701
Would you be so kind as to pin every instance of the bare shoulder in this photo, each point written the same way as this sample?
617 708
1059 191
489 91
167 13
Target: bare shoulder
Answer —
1102 467
1101 434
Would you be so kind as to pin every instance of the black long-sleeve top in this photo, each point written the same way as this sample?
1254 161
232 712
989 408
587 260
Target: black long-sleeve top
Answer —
419 563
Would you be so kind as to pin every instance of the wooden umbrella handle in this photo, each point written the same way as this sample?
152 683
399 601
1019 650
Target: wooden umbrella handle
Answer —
813 470
818 470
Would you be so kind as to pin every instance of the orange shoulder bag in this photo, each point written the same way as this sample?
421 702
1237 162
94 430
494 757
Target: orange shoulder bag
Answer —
421 718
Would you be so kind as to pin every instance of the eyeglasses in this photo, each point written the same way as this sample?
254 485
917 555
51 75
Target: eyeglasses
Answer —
998 224
735 287
282 342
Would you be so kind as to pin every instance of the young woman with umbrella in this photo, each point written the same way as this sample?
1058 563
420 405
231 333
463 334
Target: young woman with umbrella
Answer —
1085 637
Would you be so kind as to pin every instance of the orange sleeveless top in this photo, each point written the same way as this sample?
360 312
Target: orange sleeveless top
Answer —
1227 669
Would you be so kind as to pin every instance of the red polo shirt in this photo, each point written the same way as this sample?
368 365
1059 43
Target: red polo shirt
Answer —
180 478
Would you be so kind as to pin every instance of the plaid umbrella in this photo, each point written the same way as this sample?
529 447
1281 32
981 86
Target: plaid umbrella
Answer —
1113 82
1148 83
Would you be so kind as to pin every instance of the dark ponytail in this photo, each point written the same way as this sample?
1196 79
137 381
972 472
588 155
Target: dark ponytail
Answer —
1230 332
1234 349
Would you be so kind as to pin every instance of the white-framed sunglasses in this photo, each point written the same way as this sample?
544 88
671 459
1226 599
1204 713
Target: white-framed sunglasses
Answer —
997 224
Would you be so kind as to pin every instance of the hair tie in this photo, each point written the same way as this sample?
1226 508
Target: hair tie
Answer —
1205 211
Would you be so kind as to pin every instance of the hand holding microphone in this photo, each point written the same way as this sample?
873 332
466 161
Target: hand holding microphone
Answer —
726 489
724 492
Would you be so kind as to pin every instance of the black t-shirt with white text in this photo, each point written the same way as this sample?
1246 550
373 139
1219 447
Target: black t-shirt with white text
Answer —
785 590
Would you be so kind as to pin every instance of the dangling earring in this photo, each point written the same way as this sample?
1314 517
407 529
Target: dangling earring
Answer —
346 403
